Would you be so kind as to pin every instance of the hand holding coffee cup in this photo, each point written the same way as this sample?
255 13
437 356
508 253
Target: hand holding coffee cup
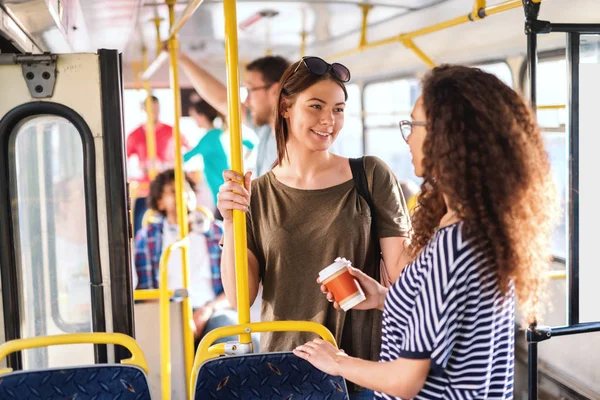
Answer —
341 284
374 292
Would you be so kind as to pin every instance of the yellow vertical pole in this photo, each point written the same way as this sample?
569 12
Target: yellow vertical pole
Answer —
157 22
182 220
302 44
137 68
239 217
477 5
151 160
363 28
303 35
418 52
268 50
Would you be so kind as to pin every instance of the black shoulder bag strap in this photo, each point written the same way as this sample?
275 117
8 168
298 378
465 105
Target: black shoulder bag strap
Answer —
362 186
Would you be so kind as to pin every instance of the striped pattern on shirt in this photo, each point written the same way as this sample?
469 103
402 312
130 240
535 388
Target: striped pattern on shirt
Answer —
447 307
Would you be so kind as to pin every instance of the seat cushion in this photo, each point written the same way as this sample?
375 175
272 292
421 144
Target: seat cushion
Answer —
97 382
266 376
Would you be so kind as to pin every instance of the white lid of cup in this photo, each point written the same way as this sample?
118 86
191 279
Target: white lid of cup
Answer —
338 264
355 301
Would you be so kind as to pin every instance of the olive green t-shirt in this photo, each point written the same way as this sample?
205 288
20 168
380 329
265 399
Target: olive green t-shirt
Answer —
295 233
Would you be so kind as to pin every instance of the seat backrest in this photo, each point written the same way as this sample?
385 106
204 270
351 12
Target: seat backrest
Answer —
266 376
125 382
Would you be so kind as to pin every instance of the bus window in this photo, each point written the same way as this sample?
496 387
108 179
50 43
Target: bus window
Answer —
349 141
49 216
551 98
386 103
500 69
589 213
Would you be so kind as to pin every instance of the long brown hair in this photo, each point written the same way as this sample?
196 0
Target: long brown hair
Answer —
295 79
484 152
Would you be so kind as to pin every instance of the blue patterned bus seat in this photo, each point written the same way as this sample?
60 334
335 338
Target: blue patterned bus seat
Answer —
281 376
96 382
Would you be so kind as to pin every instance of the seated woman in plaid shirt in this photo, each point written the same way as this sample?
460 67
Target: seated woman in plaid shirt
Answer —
211 308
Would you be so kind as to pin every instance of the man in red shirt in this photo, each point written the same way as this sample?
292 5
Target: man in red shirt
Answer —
165 156
136 144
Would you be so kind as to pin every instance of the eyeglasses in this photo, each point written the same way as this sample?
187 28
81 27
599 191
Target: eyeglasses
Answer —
407 126
320 67
254 89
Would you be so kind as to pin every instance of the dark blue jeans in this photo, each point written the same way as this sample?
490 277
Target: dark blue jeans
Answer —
364 395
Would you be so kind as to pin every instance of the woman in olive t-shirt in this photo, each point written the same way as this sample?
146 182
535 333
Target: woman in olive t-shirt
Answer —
306 211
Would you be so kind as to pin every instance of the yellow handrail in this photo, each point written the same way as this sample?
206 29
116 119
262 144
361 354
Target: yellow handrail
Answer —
182 220
552 107
409 44
206 351
150 294
365 8
165 318
239 217
402 38
137 355
558 274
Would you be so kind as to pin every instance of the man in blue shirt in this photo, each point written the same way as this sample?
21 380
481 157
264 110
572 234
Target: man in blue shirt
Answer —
258 111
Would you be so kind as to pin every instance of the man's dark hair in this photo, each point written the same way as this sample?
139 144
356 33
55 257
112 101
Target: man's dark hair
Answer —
155 99
203 108
158 185
271 68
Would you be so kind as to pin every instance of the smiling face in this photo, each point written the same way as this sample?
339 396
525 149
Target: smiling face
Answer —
316 116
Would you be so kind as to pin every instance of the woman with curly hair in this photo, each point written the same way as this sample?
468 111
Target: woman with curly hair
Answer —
481 238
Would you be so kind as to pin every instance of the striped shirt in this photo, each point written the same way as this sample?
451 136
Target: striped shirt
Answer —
447 307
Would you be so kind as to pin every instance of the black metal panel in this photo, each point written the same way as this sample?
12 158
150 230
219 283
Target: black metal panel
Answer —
581 29
532 367
532 62
573 215
8 258
588 327
116 196
8 271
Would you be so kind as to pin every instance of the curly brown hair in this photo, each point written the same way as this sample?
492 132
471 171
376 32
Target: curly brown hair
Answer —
484 152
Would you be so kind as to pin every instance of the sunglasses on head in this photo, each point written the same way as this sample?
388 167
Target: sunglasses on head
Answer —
320 67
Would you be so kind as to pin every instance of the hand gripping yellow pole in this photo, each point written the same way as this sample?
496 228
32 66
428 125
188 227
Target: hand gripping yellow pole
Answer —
239 217
182 221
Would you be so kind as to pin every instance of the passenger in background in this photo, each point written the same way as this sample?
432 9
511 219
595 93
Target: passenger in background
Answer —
137 146
210 146
481 237
258 111
306 212
211 308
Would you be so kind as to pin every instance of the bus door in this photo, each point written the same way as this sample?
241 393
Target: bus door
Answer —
582 212
64 230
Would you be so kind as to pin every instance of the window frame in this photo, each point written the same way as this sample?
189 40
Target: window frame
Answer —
10 271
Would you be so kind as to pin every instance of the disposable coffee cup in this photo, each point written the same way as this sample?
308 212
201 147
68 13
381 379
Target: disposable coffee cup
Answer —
345 288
